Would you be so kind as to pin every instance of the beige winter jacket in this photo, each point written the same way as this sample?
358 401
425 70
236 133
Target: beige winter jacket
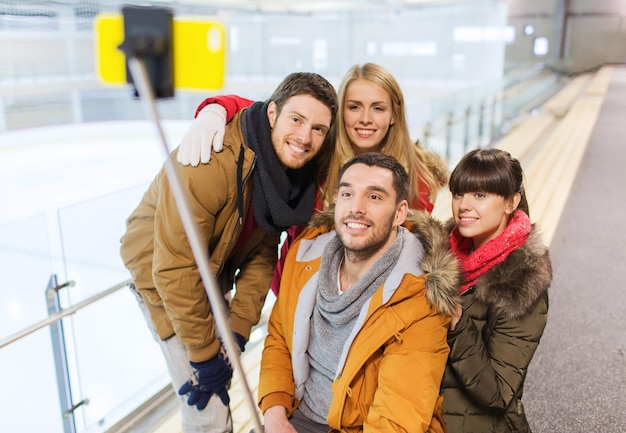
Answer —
156 251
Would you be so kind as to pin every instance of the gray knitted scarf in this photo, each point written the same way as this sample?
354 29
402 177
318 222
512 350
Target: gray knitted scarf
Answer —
340 309
334 317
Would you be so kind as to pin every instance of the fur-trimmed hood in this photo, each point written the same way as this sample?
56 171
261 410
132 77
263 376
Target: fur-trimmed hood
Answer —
442 285
437 166
513 287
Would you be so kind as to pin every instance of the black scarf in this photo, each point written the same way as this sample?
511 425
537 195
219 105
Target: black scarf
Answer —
280 198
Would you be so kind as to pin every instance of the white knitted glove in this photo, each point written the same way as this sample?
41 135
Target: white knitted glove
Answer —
206 131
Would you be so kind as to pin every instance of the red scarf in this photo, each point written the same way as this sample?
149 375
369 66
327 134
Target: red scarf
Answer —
476 263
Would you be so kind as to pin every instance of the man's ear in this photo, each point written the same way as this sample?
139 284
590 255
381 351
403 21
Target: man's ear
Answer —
401 212
272 113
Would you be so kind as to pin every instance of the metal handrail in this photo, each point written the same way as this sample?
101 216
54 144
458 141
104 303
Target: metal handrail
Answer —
66 312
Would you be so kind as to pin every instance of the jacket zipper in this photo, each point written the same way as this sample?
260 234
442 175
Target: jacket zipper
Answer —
240 183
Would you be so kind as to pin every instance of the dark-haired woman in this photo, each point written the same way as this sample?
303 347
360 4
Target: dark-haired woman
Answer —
504 295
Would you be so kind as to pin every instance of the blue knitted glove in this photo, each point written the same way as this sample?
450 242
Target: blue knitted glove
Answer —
210 377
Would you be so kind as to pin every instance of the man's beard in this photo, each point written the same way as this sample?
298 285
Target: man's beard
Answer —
373 246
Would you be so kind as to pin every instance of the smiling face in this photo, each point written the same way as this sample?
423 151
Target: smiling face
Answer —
367 115
298 131
367 212
482 216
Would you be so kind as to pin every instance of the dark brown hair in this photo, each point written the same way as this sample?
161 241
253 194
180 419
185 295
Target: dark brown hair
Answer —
493 171
306 83
375 159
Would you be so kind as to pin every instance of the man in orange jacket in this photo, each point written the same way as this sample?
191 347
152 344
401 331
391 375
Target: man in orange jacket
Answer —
357 337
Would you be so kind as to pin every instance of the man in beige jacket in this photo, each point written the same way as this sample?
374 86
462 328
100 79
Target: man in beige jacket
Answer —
262 183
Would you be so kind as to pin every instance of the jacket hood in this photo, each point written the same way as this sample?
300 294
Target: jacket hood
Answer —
514 286
440 265
437 166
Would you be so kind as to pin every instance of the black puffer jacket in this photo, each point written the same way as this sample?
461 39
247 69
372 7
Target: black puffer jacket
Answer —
504 316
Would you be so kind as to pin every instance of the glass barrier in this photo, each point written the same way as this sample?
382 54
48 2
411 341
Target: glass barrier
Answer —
116 365
29 397
28 374
106 354
26 267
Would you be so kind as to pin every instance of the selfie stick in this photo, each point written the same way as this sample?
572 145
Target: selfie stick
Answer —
139 73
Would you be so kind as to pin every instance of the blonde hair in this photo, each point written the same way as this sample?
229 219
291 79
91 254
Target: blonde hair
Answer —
397 142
